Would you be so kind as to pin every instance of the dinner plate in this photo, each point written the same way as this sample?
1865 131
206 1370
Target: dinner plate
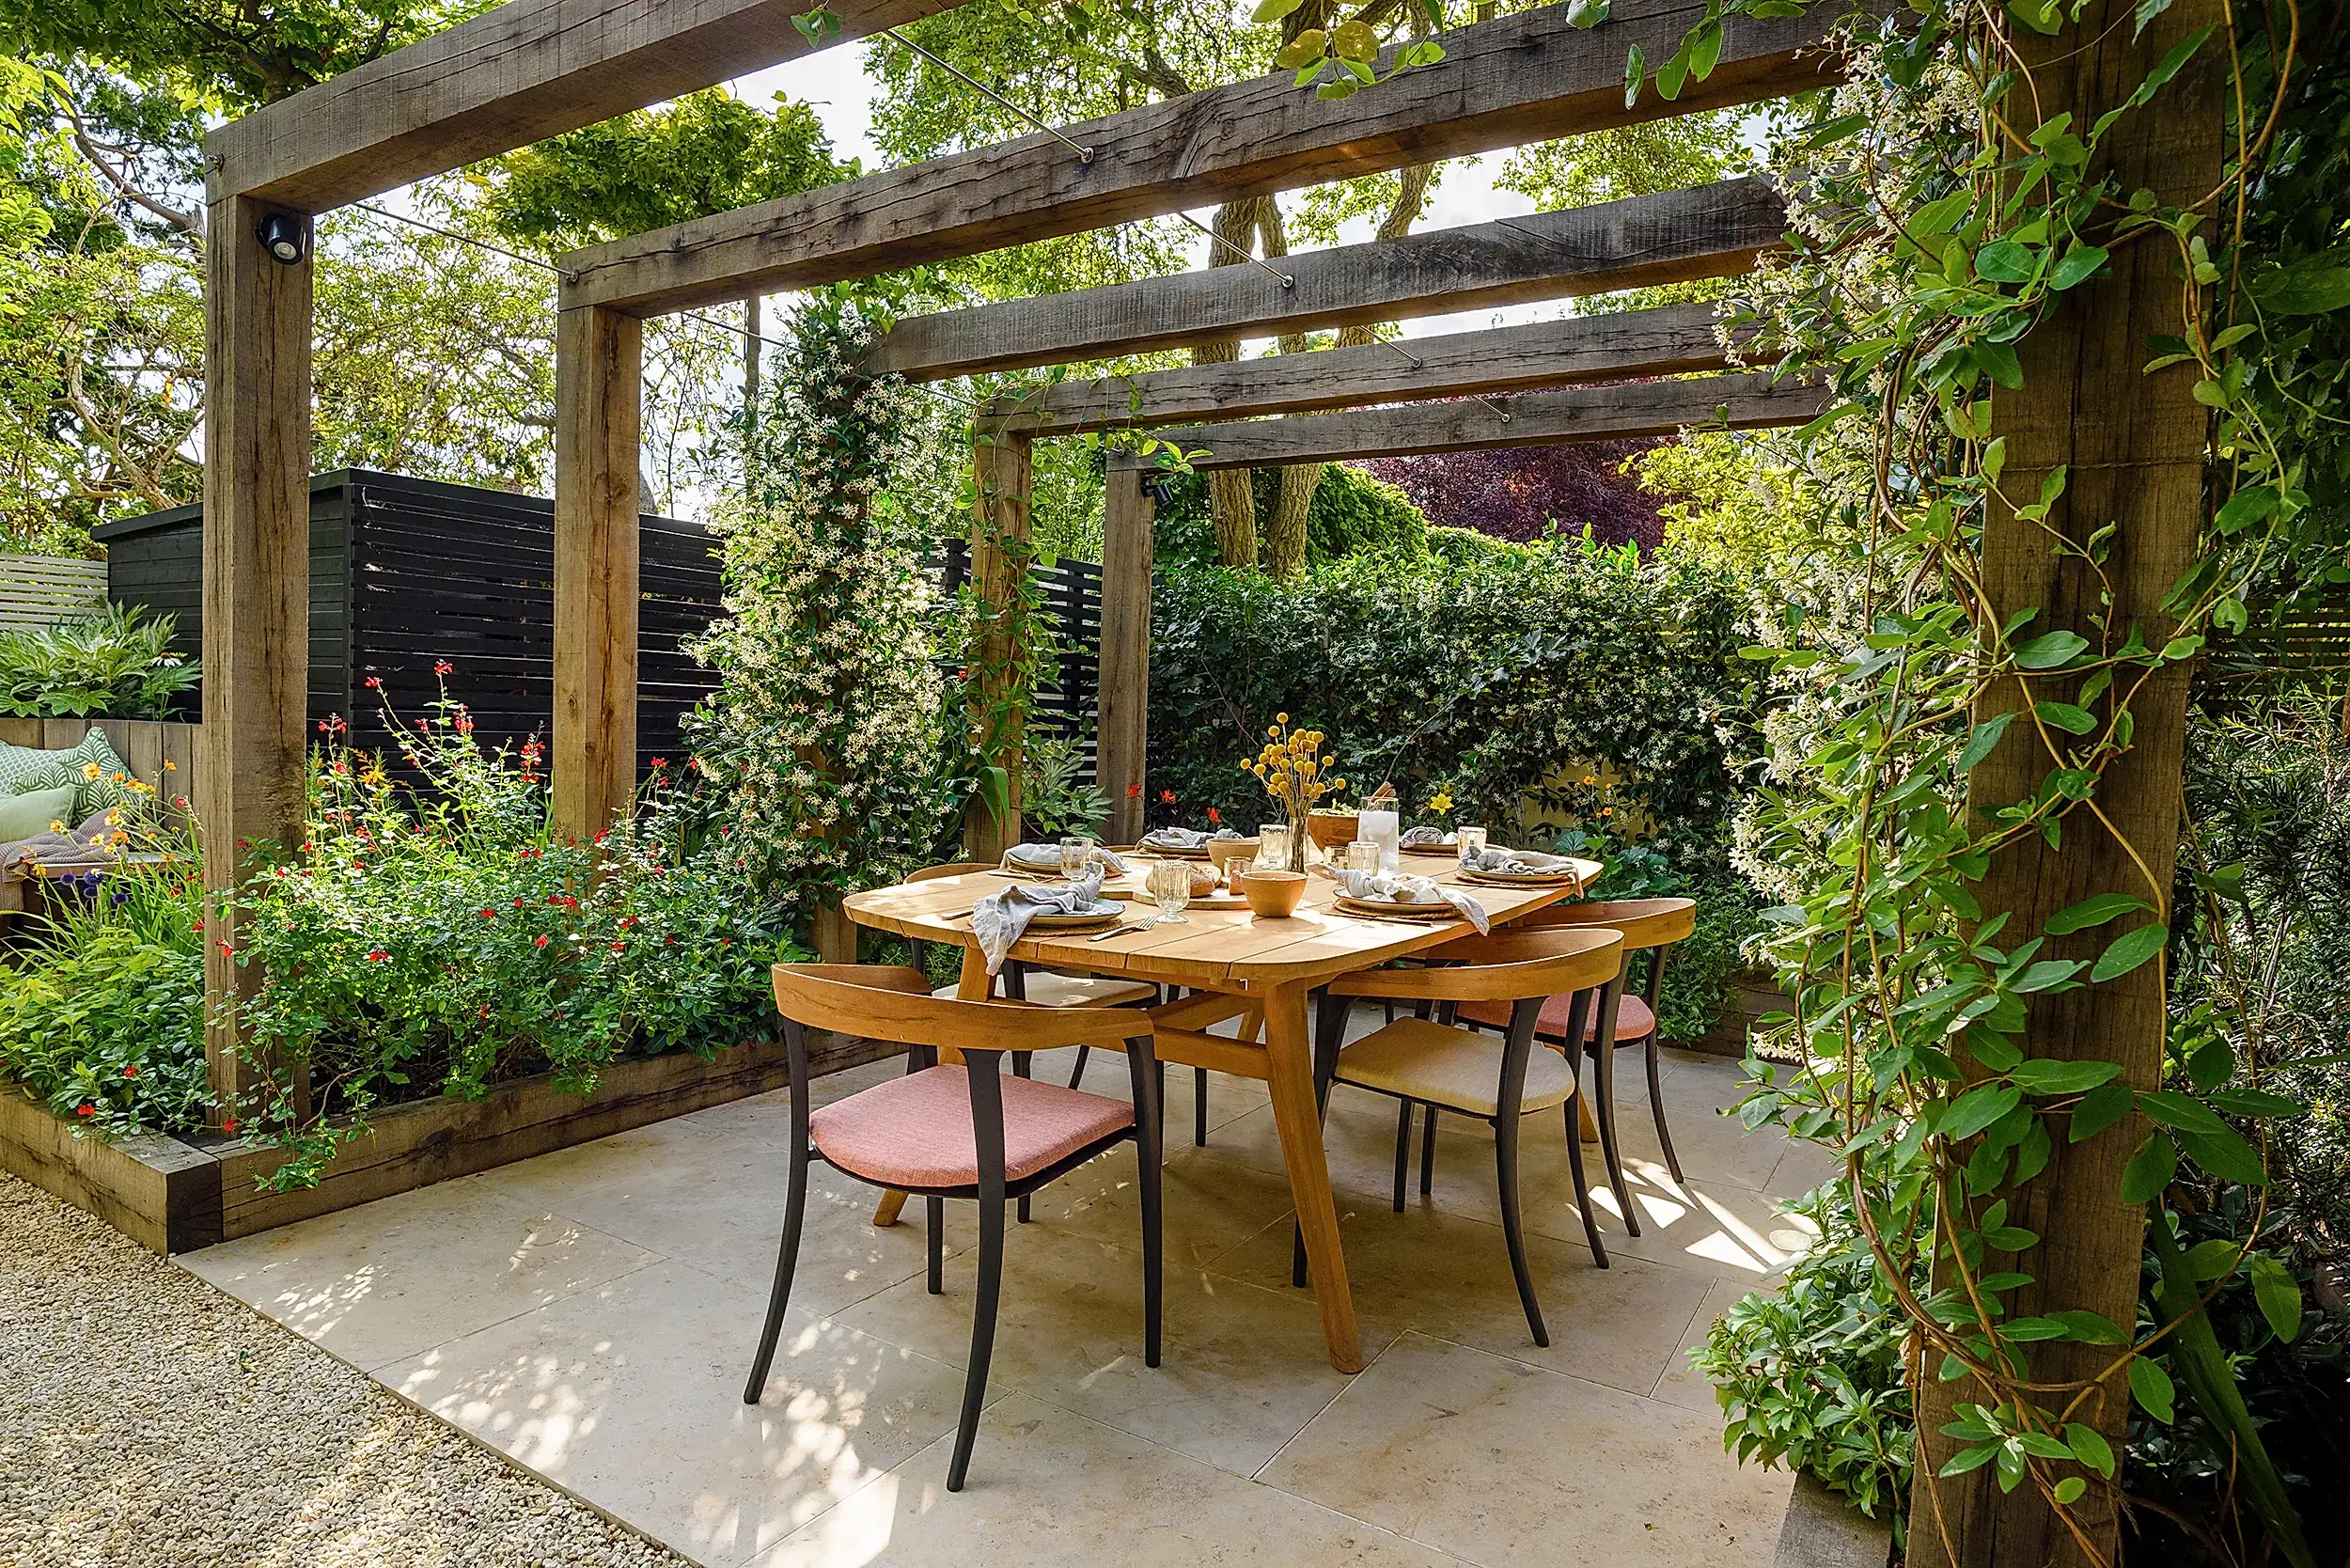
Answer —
1451 852
1522 879
1054 919
1169 851
1383 909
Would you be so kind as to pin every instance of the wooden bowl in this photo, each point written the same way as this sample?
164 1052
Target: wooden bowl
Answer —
1221 851
1272 895
1331 829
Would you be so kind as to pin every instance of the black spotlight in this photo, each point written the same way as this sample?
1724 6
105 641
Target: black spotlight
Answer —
281 236
1162 491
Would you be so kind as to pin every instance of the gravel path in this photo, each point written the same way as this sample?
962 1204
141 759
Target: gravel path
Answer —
147 1420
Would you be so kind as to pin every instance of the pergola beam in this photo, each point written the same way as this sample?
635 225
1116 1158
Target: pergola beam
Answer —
1525 78
529 69
1751 400
1671 341
1636 242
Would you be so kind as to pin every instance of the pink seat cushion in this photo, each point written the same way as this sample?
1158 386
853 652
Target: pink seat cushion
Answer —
1634 1021
916 1131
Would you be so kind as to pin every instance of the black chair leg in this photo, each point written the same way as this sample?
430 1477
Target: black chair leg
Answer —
1428 1156
1021 1063
1506 1170
1077 1074
1403 1149
787 1262
1199 1107
982 1339
1582 1189
1153 1269
934 1221
1603 1079
1656 1109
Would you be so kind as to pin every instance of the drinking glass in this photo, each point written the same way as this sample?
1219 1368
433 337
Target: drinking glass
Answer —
1077 854
1472 843
1362 856
1169 885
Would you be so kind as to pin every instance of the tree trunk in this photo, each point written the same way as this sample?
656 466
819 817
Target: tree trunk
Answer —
2134 446
1230 502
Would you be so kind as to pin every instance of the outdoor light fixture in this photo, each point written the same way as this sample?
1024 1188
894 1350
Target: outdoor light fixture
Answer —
1162 491
281 236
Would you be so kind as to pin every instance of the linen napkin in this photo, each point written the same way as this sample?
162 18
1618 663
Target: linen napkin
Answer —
1519 863
1389 887
1427 836
999 918
1183 838
1046 858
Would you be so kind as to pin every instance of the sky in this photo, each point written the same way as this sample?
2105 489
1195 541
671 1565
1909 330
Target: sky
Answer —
834 84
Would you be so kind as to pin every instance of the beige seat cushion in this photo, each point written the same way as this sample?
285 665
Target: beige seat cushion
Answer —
1046 989
1458 1069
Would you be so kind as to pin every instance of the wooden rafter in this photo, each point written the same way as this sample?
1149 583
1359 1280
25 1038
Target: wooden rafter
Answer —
1642 240
1747 402
1671 341
529 69
1523 78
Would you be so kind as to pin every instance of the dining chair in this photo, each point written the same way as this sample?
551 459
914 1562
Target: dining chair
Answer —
961 1130
1649 926
1433 1061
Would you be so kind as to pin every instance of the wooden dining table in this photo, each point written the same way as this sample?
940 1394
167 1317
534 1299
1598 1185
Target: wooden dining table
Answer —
1260 971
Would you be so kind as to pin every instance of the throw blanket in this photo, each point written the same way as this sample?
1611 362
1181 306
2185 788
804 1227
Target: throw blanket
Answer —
1046 858
80 848
999 918
1388 887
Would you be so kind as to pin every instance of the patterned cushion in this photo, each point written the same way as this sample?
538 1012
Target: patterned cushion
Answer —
916 1131
1634 1021
1423 1061
91 768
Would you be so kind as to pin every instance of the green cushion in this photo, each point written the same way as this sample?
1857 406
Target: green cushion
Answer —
91 768
30 814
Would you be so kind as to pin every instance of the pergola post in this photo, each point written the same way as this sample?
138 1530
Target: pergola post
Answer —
1003 490
1122 731
257 593
2133 448
598 404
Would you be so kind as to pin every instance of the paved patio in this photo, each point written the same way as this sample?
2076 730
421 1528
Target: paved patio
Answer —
592 1313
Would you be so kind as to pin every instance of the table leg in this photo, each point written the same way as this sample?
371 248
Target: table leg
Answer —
1290 1056
1589 1127
975 985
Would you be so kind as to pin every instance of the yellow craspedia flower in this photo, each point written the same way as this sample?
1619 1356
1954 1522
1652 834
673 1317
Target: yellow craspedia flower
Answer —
1280 718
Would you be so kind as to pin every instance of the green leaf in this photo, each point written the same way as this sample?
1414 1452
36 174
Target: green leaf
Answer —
2046 973
2077 721
1274 10
2149 1170
1635 72
1980 1107
1969 1459
2090 1328
2307 288
2155 1394
2278 1294
2005 261
2093 911
2254 503
2089 1447
1586 13
2145 13
2051 651
2130 949
2226 1155
2181 1112
2040 1076
2069 1490
2079 264
1836 130
2253 1102
1980 740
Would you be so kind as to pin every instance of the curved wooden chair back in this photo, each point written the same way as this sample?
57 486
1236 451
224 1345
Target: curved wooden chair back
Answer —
1644 922
951 868
1507 967
894 1003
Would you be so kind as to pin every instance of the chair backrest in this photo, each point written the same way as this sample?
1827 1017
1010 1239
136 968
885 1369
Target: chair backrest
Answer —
1644 922
1507 967
894 1003
953 868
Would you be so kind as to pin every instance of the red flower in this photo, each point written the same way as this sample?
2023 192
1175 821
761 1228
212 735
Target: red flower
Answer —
377 955
660 762
229 1125
619 947
130 1071
540 942
86 1109
374 683
489 913
485 1009
1134 792
443 667
518 903
1215 817
1167 797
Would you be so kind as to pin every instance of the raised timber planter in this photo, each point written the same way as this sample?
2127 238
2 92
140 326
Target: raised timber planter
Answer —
173 1196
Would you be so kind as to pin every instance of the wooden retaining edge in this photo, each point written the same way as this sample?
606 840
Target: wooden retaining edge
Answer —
173 1196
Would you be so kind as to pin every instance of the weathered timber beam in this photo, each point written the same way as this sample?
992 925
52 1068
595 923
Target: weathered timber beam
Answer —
1674 340
1747 402
1523 78
529 69
1709 232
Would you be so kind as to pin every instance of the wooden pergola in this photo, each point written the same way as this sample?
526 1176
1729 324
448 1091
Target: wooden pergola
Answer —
535 67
